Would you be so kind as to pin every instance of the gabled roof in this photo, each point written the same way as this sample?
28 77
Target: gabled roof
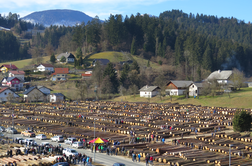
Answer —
39 87
58 94
66 55
198 84
10 66
86 75
46 65
180 83
3 89
17 72
102 61
61 71
30 89
147 88
220 75
11 78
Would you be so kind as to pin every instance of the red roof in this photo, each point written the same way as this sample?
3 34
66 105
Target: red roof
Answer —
3 89
13 67
17 72
60 71
47 65
86 75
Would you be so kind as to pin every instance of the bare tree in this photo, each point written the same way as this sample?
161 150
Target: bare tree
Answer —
237 78
37 96
11 98
133 89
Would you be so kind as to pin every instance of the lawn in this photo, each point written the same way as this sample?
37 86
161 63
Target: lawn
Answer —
25 62
112 56
239 99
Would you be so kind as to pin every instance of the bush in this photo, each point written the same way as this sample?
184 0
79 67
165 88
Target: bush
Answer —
242 121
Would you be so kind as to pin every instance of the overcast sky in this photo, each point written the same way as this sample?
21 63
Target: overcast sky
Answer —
240 9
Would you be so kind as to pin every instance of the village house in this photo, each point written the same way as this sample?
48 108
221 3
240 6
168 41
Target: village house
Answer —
5 68
45 67
33 94
6 94
86 75
70 58
19 74
101 61
13 82
177 87
60 74
56 97
44 89
222 77
195 89
149 91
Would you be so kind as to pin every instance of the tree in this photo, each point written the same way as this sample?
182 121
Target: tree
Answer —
133 46
97 74
134 66
106 86
242 121
78 52
52 58
111 73
63 59
237 78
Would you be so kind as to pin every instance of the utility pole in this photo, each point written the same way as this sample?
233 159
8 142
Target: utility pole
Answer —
12 115
94 140
230 145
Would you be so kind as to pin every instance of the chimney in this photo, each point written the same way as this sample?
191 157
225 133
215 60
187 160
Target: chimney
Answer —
146 86
66 52
219 71
10 64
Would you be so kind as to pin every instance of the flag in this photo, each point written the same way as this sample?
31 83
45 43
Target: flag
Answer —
12 115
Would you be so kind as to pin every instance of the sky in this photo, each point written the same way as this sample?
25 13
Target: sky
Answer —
240 9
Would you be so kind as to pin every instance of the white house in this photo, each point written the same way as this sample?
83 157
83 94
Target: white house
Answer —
69 57
56 97
44 89
177 87
149 91
195 89
18 74
45 67
222 77
6 93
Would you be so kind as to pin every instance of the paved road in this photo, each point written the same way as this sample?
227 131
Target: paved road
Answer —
101 158
104 159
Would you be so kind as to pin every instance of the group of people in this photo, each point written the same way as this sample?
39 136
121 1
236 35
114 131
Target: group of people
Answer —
72 159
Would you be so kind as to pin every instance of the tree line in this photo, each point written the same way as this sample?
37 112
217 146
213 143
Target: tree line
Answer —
175 36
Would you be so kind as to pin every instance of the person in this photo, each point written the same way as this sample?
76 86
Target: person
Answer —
181 135
133 157
163 140
147 159
139 156
151 160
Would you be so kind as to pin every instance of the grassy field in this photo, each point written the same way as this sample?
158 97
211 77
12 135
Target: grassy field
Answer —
239 99
21 63
116 57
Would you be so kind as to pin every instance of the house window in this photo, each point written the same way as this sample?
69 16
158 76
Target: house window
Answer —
16 81
58 75
5 93
63 75
196 91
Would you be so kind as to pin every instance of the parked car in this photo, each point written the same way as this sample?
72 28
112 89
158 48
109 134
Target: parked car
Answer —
20 140
70 140
68 152
2 129
77 145
119 164
30 141
41 136
11 130
58 138
28 133
62 164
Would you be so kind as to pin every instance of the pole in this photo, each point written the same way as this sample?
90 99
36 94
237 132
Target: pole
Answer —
94 139
230 145
12 124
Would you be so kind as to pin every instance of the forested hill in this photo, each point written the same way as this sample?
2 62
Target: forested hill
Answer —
227 28
58 17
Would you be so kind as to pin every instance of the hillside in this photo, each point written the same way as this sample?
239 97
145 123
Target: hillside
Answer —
58 17
239 99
